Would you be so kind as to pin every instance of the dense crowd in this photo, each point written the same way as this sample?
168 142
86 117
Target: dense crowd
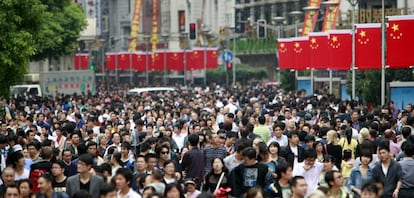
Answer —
248 141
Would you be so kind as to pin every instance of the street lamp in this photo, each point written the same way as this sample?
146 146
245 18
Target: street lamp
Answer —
279 21
205 31
332 4
184 35
311 10
353 4
165 39
146 39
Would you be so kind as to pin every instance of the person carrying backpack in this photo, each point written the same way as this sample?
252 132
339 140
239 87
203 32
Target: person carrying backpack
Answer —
41 167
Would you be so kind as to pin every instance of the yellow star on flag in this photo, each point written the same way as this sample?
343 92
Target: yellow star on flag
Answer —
395 27
282 45
362 34
313 40
297 45
334 39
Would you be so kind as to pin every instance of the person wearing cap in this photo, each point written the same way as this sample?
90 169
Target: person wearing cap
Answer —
190 186
84 180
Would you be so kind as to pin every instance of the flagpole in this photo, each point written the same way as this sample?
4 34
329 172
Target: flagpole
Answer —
382 54
353 4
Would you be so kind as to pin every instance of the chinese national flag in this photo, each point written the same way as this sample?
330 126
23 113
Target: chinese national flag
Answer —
211 54
81 61
110 61
285 53
175 60
195 59
139 61
301 51
340 48
318 44
157 61
368 46
400 41
123 61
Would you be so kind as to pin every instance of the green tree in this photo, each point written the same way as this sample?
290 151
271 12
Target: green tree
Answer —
66 20
20 21
368 82
287 80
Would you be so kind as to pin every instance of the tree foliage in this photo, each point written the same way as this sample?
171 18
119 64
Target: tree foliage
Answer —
19 22
287 80
244 73
368 82
60 32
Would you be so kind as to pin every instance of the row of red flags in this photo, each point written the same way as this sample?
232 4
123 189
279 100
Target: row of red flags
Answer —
174 60
333 49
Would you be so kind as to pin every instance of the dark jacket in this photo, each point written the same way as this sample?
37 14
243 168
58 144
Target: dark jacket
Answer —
390 180
193 164
290 156
242 178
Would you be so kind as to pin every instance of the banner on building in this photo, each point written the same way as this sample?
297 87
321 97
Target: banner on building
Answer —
310 17
136 17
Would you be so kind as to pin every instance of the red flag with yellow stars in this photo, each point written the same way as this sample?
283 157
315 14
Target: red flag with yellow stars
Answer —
81 61
211 58
157 61
124 61
110 61
301 51
340 49
368 46
175 60
400 41
318 44
285 53
139 61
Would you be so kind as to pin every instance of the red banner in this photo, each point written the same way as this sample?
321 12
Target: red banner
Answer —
211 54
110 61
81 61
331 14
285 53
175 61
368 46
310 17
139 61
135 26
195 59
400 41
123 59
301 53
157 61
318 44
340 49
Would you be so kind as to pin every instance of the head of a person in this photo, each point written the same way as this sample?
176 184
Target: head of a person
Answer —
169 167
25 186
293 137
332 137
284 170
123 178
309 140
254 193
278 129
85 163
366 156
107 191
193 140
310 157
11 191
190 185
369 190
45 183
249 156
91 147
148 190
384 151
274 148
162 152
218 164
328 163
173 190
298 186
151 160
8 176
140 163
58 168
334 178
67 155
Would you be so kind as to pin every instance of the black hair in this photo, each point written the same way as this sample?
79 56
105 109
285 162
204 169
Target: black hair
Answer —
348 134
249 152
275 144
126 145
292 133
282 167
193 139
310 153
366 153
294 180
149 155
107 188
329 177
126 173
384 145
370 187
117 157
169 187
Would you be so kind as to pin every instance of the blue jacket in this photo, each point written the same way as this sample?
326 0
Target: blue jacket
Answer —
355 179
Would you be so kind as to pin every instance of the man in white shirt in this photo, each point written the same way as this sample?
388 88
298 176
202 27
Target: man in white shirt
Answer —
277 136
309 169
123 179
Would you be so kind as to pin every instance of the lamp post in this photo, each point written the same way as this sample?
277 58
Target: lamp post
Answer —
353 4
184 35
205 31
296 15
279 21
165 39
311 10
382 53
146 39
332 4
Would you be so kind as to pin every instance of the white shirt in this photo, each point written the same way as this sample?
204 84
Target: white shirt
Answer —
25 175
311 176
131 194
179 140
283 140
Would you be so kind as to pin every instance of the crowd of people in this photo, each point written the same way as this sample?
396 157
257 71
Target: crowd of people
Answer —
248 141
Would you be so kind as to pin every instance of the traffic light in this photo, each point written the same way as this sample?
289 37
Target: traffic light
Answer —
92 67
193 31
261 28
229 65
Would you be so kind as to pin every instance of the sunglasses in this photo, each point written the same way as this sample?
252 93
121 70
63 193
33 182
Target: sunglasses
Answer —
164 152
